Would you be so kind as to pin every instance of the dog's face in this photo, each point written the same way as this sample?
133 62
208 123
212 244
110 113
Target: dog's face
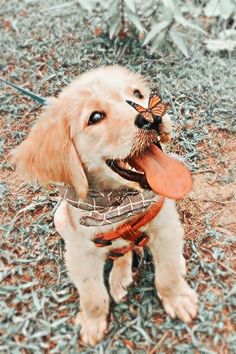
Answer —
106 128
105 122
84 136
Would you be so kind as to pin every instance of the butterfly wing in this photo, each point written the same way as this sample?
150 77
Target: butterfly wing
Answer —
154 99
141 110
148 115
155 104
160 109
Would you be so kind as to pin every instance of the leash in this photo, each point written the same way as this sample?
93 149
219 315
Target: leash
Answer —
41 100
129 231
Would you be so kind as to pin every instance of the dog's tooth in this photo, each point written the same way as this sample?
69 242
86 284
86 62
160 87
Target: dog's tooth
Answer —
127 166
124 164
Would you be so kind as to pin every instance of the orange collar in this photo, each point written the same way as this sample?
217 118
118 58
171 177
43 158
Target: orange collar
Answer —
129 231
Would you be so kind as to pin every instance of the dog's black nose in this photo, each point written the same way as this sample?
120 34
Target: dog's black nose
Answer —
143 123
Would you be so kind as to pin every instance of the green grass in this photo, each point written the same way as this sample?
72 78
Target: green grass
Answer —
43 50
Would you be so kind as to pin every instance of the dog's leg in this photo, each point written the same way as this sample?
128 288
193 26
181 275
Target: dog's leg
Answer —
166 246
85 267
121 276
94 300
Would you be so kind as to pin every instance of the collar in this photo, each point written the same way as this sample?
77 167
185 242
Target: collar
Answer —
129 231
109 207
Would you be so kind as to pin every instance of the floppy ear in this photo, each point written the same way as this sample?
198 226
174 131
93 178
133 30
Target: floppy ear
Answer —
49 154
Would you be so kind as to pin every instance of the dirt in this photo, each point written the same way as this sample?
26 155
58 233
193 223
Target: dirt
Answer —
213 195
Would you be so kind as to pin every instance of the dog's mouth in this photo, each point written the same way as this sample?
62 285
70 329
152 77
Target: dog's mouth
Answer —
126 169
154 169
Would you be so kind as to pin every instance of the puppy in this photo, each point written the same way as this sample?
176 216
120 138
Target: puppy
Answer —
88 125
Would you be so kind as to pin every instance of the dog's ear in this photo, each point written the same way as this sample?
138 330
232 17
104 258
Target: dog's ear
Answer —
49 154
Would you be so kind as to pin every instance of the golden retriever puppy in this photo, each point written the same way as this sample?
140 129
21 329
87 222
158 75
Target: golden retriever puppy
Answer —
77 136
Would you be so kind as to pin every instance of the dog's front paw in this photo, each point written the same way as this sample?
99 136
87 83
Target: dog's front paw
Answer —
183 304
92 329
119 285
118 288
121 277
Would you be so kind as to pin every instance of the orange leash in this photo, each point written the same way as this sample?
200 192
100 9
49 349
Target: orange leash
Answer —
129 231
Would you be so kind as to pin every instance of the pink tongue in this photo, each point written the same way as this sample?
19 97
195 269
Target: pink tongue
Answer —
165 175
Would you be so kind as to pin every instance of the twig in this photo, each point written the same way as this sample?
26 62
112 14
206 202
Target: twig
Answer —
203 171
128 324
122 15
211 215
214 201
56 7
29 207
220 263
153 350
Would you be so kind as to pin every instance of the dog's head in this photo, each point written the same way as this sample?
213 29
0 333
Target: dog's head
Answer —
90 136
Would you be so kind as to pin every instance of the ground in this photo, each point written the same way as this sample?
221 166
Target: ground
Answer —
43 48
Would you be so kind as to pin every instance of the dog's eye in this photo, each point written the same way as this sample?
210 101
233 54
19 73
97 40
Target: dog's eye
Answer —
138 94
96 117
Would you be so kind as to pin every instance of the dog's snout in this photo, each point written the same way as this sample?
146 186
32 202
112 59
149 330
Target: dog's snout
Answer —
143 123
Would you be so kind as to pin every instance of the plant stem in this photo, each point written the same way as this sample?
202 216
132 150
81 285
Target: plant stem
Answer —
122 16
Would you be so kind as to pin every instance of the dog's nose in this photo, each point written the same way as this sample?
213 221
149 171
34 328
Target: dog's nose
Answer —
143 123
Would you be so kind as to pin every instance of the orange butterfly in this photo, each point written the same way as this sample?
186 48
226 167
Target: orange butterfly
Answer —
156 108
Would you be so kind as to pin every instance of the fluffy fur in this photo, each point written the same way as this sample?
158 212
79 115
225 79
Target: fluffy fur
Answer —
62 147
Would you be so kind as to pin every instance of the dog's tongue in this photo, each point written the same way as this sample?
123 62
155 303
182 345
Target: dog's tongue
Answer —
165 175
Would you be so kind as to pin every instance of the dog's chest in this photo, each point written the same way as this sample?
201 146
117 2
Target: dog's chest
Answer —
87 235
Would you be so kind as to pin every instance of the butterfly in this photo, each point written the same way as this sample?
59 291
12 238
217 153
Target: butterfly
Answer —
156 108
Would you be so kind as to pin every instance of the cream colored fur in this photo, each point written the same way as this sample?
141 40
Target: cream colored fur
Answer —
62 147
